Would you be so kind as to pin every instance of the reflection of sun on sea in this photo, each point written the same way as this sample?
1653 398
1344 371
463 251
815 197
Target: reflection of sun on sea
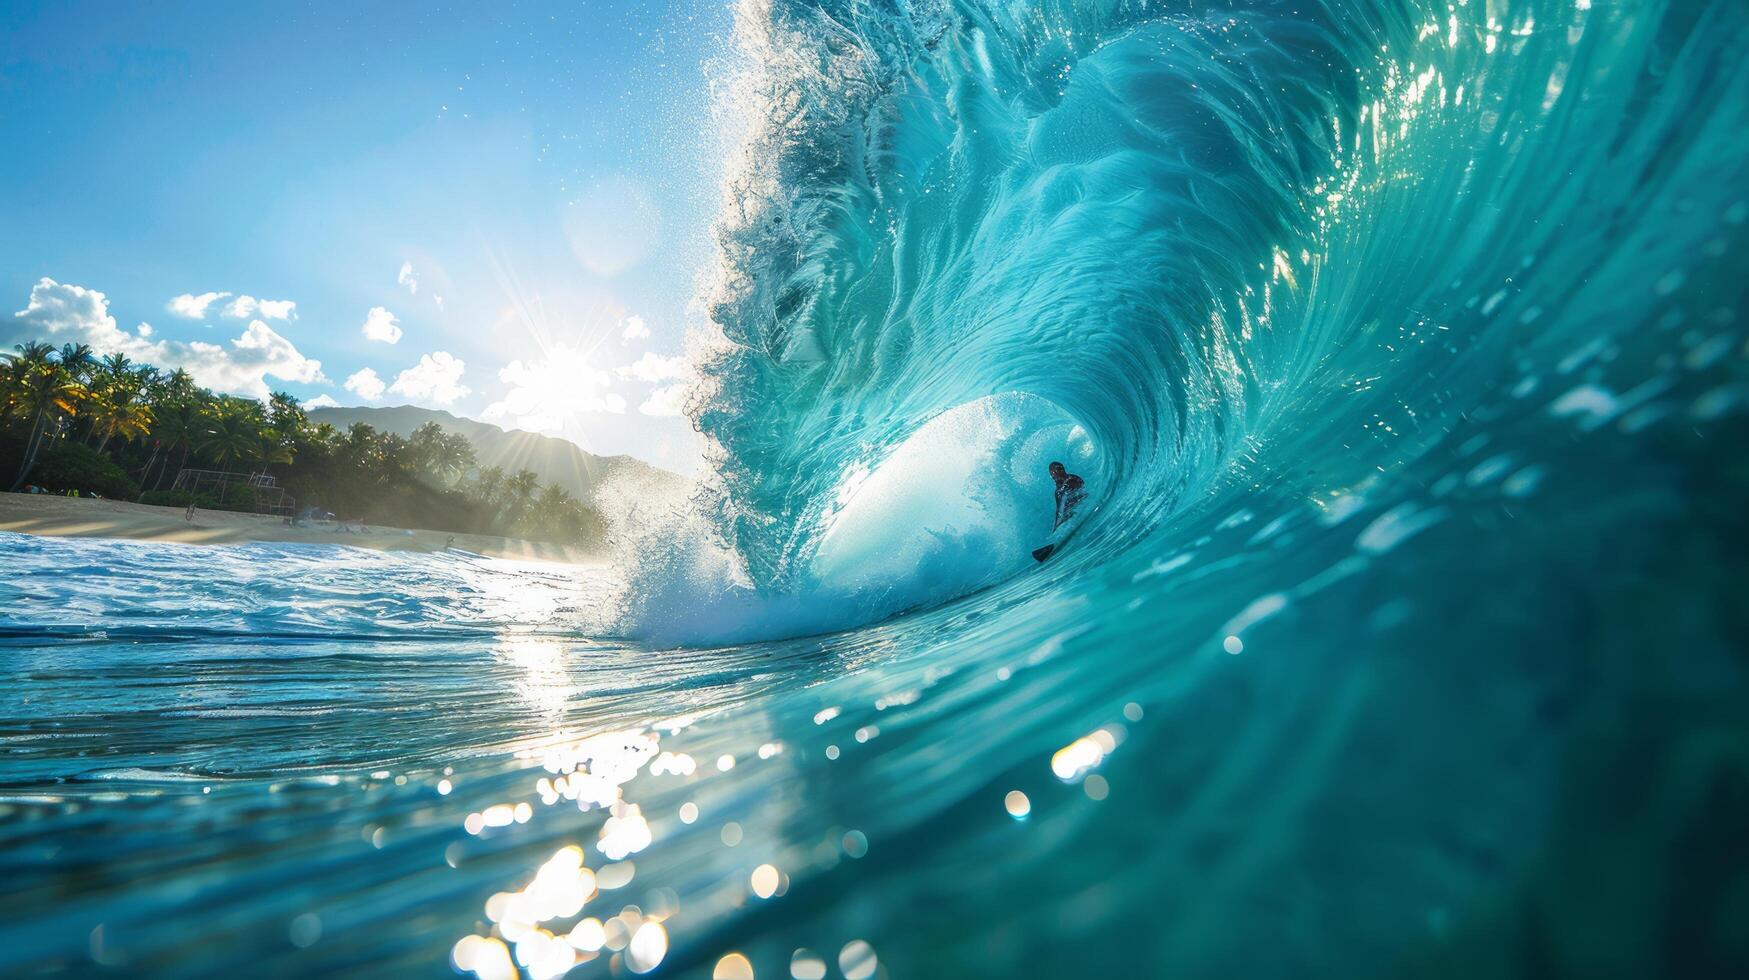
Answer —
513 591
590 773
543 682
566 917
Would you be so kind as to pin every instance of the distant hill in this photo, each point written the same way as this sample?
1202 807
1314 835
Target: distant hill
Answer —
553 460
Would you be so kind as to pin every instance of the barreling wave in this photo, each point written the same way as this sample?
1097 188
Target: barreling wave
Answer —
1154 238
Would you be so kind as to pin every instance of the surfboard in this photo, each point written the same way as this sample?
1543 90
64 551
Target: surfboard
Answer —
1062 532
1045 551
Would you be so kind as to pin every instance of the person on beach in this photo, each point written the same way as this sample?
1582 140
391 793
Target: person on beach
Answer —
1071 490
188 515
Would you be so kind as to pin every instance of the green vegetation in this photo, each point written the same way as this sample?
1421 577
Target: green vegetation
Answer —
70 421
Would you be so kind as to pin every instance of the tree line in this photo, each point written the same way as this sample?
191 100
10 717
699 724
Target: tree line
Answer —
73 421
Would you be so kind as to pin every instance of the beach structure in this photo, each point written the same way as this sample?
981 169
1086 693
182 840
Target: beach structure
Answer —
260 489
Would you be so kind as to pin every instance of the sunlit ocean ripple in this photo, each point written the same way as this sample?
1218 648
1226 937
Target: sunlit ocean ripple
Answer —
1404 634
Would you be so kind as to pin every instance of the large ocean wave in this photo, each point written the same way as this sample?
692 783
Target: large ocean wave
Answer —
1185 237
1401 348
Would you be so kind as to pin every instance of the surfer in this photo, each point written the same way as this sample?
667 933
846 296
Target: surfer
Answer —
1071 490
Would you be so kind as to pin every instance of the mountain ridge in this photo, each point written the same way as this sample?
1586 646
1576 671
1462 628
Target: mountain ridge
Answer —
552 459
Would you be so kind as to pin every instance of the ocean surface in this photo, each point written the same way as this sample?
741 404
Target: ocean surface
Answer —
1404 633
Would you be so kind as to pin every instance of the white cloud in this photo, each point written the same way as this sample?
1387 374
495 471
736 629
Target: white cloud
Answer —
635 329
545 394
407 278
194 307
59 313
435 379
259 344
653 367
322 401
365 384
67 312
246 306
144 330
242 308
665 401
438 300
379 324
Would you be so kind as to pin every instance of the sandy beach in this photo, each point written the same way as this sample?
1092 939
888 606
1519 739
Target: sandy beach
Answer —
55 516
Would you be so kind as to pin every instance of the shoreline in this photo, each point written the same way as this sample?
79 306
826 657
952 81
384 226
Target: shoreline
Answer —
49 515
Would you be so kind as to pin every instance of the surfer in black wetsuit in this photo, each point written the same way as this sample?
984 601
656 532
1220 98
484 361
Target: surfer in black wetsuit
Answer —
1071 490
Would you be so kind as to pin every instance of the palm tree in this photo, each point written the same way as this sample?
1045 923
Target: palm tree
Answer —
394 461
115 406
488 485
116 365
12 376
439 454
457 455
81 363
519 492
120 414
523 485
41 389
233 435
286 415
552 509
179 425
179 385
78 360
272 450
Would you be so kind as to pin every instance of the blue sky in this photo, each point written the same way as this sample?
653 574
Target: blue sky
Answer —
482 207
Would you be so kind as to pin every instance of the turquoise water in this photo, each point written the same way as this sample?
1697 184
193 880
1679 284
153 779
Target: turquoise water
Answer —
1402 349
